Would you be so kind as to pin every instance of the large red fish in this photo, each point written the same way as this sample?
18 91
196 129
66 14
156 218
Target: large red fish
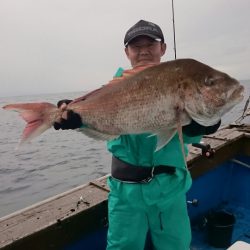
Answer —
153 100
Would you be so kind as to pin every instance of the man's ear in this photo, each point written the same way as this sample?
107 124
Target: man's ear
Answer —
163 48
126 51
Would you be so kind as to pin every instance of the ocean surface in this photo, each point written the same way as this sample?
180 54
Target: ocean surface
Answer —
57 160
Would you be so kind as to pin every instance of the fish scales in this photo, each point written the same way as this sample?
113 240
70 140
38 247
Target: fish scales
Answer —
134 105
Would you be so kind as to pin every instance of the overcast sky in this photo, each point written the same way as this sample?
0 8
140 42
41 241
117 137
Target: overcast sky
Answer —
50 46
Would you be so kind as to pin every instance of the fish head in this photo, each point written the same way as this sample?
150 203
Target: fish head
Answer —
214 94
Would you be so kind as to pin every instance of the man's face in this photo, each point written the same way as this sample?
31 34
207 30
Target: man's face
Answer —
144 50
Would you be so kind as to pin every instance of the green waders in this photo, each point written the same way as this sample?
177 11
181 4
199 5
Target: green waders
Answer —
158 206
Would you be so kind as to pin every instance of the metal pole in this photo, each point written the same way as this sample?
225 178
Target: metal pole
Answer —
174 28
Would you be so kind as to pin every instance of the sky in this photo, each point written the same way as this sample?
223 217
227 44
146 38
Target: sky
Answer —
55 46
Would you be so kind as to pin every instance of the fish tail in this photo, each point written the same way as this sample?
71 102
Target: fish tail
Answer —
39 118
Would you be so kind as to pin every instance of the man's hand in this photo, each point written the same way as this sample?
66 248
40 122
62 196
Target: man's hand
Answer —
61 102
195 129
72 120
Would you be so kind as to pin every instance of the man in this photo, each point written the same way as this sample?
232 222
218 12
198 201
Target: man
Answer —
147 187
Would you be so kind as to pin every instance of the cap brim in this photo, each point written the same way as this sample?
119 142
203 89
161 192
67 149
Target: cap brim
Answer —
142 34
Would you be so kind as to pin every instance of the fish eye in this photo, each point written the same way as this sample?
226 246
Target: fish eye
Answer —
209 81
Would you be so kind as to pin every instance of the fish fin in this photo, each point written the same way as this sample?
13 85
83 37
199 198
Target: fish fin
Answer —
163 137
203 120
33 130
210 121
126 74
94 134
36 116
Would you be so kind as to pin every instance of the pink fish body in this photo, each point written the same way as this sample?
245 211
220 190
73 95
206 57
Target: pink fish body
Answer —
146 100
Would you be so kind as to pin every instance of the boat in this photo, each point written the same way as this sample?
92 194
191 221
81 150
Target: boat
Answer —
77 219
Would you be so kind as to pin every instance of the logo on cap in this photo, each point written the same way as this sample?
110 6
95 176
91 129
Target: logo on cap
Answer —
143 28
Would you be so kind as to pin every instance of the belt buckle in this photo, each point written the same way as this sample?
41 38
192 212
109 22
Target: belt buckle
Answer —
150 178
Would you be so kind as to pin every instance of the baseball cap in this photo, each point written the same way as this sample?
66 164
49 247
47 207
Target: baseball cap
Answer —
143 28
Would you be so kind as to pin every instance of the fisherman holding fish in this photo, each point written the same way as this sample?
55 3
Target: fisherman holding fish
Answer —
147 187
148 115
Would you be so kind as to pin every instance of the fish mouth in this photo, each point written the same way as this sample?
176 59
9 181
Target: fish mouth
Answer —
237 93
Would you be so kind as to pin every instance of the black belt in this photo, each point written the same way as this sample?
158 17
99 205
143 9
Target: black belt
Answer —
129 173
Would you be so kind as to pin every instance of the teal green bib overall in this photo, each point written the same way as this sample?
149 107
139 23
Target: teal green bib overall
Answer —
158 206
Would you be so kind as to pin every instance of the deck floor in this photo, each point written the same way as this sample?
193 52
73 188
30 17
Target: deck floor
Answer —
241 230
